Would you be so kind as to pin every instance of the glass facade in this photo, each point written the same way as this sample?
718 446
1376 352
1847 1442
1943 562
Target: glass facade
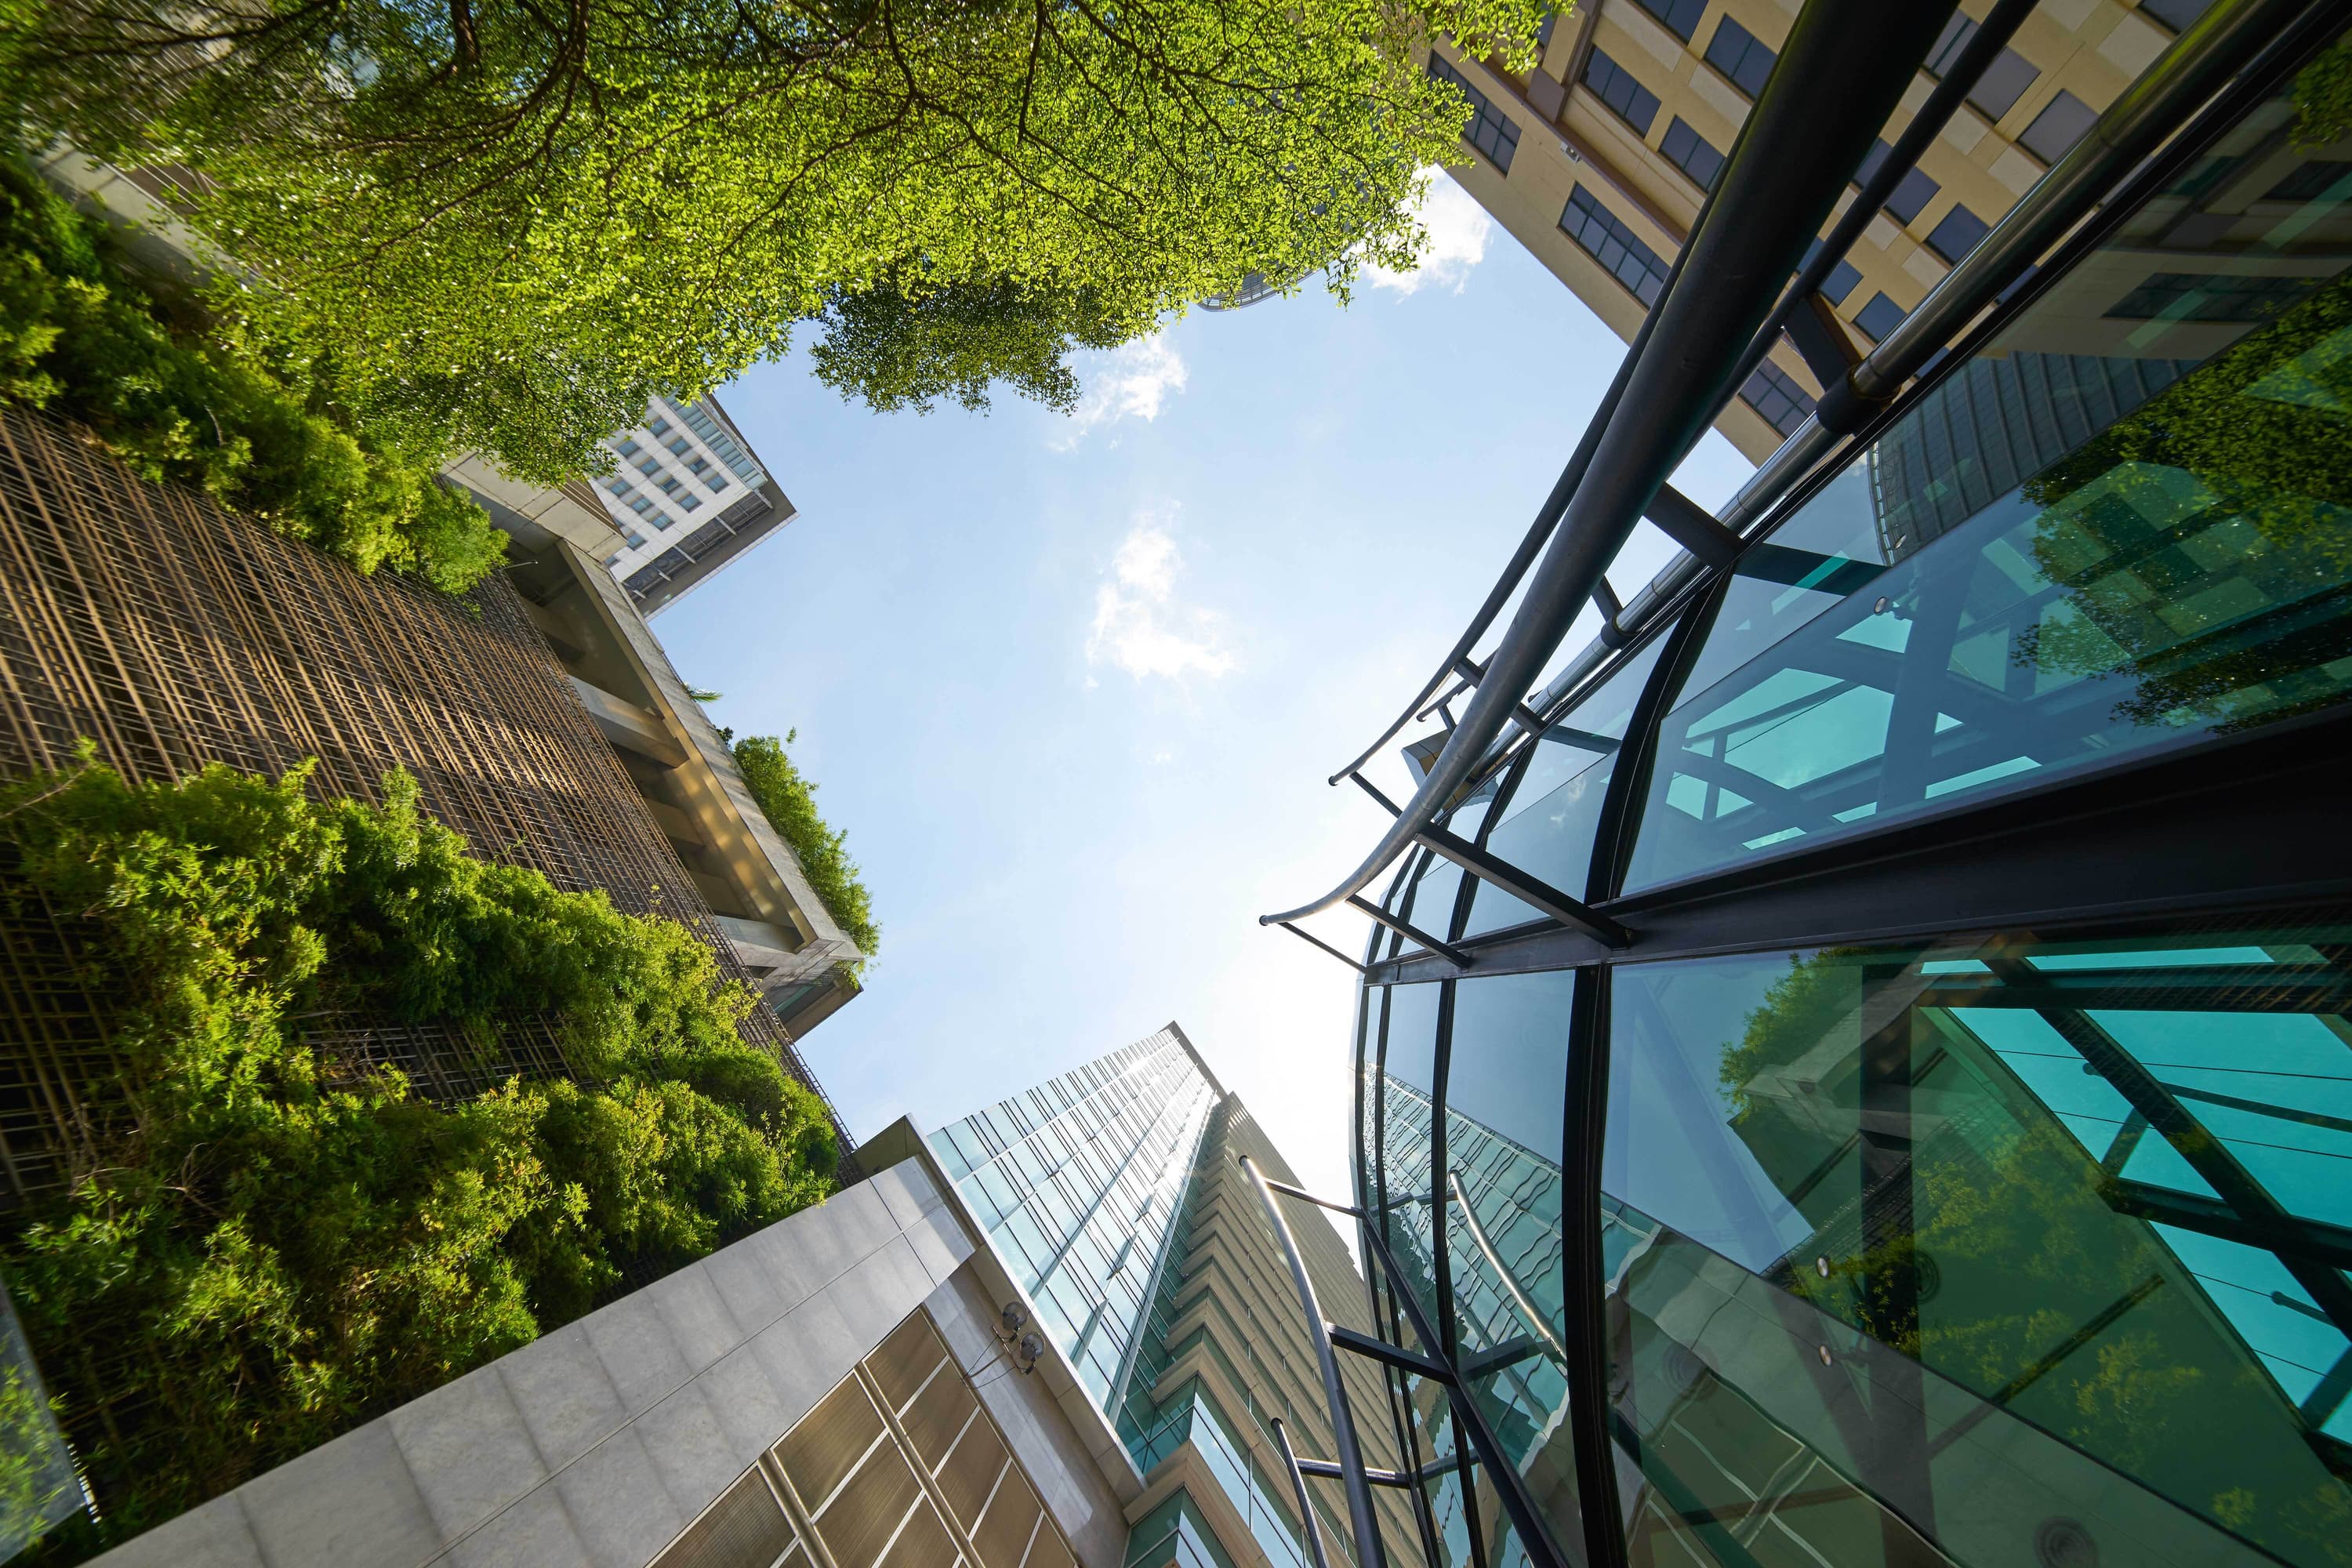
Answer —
1078 1183
1935 1234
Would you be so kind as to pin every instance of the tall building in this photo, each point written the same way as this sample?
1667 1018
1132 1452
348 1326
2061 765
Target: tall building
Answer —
1912 1127
1599 158
689 496
1114 1197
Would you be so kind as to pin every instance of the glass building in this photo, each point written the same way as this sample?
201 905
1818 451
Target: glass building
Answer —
1114 1194
1930 1141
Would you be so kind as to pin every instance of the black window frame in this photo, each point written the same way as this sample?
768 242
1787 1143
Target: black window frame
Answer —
1621 89
1733 52
1492 133
1699 160
1595 215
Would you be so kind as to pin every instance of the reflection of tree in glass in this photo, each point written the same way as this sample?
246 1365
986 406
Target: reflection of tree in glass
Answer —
2026 1254
2191 537
2322 97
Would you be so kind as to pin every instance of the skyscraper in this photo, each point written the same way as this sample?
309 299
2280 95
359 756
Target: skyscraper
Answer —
1115 1197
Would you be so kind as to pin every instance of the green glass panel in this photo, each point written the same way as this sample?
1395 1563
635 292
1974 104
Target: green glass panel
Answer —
1918 1249
2124 525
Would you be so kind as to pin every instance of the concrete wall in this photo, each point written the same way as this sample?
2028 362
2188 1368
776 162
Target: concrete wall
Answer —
594 1446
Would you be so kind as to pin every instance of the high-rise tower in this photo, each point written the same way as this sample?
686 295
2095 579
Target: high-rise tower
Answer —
1115 1197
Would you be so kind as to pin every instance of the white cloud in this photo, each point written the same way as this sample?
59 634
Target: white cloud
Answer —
1131 380
1138 626
1457 230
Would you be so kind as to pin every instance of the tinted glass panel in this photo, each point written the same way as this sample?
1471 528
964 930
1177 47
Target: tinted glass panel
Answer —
1953 1242
1637 105
1405 1133
1740 56
2083 545
2057 127
1682 17
1547 830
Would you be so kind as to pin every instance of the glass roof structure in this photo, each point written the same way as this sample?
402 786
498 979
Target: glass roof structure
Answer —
1936 1145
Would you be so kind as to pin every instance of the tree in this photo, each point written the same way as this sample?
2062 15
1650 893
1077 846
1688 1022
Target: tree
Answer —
508 223
907 348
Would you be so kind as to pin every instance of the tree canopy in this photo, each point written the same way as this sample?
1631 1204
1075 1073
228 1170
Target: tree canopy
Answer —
508 222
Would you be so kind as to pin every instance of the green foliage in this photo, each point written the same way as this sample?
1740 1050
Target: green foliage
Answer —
34 1478
79 335
899 350
511 223
281 1250
789 802
2322 97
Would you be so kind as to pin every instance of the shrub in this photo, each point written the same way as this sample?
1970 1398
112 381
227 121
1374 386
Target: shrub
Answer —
80 336
789 802
272 1256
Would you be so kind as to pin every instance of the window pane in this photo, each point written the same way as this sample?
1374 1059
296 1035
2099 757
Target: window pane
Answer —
1505 1101
2057 127
1547 828
1681 17
1637 105
1741 56
1880 317
1407 1122
1957 234
1896 1231
2081 545
2003 83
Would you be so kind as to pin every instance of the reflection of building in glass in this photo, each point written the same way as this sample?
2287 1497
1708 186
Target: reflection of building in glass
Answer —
1115 1197
1951 1166
1599 158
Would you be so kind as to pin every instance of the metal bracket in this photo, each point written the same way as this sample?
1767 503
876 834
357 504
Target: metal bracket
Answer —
1453 955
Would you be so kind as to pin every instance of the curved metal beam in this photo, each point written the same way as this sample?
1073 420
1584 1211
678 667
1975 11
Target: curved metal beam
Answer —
1843 70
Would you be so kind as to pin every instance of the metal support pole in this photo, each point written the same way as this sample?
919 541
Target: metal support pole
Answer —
1453 955
1348 1452
1308 1527
1326 947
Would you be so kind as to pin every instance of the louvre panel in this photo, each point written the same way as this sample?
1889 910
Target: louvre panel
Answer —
1003 1536
861 1520
746 1528
828 1442
901 1363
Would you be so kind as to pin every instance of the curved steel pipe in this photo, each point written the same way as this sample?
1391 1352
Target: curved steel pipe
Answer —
1828 94
1346 1451
1534 1320
1307 1527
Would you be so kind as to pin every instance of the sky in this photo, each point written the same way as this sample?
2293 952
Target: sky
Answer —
1072 684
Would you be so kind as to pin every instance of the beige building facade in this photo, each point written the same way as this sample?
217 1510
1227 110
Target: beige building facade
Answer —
1597 160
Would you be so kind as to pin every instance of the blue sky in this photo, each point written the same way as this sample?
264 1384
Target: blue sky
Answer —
1073 684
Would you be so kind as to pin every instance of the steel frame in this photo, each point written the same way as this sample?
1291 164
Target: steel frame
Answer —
2252 822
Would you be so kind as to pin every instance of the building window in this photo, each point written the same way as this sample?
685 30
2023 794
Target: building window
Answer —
2309 181
1690 152
1880 317
1680 16
2062 123
1781 402
1642 270
2004 81
1839 281
1543 32
1957 234
1490 129
1911 193
1740 56
658 425
2208 297
1637 105
2174 14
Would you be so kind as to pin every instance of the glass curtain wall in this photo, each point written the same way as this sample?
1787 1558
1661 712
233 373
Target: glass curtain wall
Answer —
1078 1182
1975 1247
